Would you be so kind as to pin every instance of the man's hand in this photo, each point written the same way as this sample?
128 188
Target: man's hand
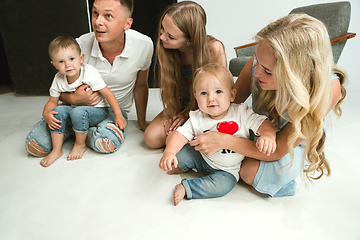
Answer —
84 96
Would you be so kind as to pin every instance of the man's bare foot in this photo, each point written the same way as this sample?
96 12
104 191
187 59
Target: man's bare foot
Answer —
179 194
175 170
77 152
50 158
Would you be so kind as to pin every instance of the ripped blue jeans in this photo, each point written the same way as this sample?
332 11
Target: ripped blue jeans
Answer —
102 134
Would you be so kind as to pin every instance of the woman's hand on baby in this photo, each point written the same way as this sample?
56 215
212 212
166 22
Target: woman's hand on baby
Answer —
266 145
209 142
177 121
167 160
52 122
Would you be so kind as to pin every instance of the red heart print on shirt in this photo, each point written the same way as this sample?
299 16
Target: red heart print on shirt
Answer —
85 89
230 127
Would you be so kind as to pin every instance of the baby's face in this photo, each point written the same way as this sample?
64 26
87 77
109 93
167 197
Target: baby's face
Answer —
68 61
213 96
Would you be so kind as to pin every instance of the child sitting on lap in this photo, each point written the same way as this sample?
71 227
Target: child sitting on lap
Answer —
214 91
65 54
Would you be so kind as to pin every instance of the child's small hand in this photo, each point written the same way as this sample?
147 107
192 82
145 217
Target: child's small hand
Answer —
167 160
266 145
52 122
120 122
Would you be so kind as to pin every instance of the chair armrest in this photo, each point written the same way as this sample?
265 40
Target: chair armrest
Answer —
342 37
246 45
333 40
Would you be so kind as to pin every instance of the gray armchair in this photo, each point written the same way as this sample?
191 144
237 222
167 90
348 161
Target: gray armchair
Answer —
336 18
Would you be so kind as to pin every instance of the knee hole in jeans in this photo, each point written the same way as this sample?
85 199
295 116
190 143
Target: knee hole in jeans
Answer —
35 149
119 133
104 145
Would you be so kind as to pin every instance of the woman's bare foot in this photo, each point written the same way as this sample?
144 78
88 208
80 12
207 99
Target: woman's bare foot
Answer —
175 170
50 158
179 194
77 152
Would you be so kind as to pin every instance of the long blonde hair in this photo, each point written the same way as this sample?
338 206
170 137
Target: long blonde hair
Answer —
190 18
302 73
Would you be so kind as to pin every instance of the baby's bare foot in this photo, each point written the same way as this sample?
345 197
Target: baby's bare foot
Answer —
50 158
77 152
179 194
175 170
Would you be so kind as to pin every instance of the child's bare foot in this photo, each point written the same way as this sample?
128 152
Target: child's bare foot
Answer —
50 158
179 194
77 152
175 170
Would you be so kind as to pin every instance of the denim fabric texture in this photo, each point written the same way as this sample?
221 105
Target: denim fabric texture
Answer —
215 183
41 133
103 131
276 181
81 117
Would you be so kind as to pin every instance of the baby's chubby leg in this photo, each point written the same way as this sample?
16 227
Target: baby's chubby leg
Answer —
82 117
51 157
57 140
179 193
79 147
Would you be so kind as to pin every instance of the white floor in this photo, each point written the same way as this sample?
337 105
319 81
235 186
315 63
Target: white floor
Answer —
125 195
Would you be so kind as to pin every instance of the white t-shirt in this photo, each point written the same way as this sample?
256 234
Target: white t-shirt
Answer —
121 76
238 120
88 75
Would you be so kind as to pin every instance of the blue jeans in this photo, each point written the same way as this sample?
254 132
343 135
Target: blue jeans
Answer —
215 183
40 133
81 117
269 179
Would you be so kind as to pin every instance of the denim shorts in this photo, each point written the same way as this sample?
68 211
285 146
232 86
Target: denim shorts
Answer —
276 181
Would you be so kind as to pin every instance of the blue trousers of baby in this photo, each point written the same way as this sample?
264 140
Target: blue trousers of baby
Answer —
215 183
80 117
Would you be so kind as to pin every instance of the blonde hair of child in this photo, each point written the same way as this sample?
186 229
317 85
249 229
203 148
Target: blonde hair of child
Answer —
63 42
209 72
213 70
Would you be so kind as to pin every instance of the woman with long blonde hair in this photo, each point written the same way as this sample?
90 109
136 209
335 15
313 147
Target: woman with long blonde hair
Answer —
182 47
293 79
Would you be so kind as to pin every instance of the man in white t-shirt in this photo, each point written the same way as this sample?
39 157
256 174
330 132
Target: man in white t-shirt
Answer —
123 57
